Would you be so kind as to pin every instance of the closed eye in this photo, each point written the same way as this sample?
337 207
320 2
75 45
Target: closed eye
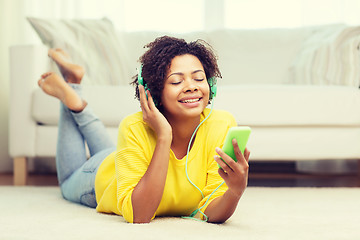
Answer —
199 79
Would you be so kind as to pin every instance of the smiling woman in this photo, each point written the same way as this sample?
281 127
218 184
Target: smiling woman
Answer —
160 142
185 92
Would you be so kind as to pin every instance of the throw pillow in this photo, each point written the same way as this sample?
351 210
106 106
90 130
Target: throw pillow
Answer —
330 56
92 44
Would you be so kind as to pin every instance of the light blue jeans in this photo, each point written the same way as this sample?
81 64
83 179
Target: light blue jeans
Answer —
76 174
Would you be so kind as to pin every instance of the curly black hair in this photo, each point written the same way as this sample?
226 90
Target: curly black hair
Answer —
157 59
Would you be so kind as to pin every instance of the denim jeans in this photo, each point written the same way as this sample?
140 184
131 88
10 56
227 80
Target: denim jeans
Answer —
76 174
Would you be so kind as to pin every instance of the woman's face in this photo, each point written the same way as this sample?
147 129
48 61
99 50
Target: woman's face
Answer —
186 90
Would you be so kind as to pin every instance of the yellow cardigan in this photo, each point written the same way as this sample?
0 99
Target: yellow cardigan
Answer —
120 172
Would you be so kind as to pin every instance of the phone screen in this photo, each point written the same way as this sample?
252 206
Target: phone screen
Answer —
241 134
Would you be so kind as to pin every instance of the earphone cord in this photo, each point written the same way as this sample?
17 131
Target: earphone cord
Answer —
186 163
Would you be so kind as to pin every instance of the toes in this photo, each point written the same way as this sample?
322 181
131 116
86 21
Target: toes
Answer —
48 74
41 81
45 75
50 52
58 49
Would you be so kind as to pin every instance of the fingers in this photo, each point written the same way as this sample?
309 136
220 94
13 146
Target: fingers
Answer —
150 100
247 154
224 161
224 169
227 163
143 101
146 100
222 173
242 158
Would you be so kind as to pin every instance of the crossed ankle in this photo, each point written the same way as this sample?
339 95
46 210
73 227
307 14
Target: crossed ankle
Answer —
79 110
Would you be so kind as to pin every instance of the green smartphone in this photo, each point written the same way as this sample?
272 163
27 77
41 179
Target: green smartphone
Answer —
241 134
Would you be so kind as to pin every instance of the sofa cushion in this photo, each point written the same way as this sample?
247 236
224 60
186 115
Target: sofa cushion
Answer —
255 105
289 105
276 144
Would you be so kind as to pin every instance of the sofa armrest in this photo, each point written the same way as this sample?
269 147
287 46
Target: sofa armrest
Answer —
27 63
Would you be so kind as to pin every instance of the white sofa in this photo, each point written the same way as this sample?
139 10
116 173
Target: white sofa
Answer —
288 85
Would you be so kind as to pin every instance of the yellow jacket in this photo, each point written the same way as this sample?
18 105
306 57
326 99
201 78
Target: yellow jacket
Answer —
120 172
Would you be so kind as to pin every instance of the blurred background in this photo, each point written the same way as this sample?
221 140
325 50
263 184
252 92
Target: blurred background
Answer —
158 15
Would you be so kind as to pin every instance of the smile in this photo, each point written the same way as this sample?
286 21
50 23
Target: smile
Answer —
190 100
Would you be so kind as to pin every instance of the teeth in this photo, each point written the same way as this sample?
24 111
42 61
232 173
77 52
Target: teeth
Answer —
191 100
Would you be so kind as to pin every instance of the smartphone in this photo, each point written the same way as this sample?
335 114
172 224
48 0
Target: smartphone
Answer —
241 134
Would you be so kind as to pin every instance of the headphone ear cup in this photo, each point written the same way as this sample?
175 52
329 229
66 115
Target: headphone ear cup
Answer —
213 87
141 82
140 79
213 90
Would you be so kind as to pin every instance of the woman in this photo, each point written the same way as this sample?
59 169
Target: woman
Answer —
165 161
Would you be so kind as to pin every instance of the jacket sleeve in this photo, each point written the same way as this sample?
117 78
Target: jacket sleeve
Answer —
133 156
130 166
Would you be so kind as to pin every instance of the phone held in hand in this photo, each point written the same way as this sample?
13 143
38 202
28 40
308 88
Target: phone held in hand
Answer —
241 134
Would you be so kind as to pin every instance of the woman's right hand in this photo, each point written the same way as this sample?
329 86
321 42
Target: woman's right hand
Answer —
152 116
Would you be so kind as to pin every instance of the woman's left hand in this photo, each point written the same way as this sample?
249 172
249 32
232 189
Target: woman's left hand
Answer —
235 174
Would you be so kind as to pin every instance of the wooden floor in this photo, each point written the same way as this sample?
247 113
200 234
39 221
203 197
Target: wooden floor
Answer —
6 179
303 180
285 174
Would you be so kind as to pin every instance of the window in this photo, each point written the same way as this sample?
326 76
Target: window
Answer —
164 15
197 15
289 13
262 14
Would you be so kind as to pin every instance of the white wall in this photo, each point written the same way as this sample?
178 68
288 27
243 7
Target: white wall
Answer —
8 35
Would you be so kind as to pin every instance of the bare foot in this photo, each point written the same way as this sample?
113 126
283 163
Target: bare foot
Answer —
53 85
71 72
